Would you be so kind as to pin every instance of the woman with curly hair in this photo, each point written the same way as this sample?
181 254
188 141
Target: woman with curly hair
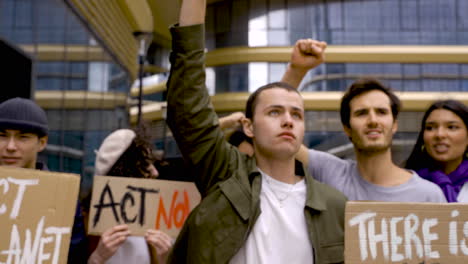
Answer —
127 153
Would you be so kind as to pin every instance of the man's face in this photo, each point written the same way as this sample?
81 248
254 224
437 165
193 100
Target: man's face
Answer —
19 149
371 122
278 123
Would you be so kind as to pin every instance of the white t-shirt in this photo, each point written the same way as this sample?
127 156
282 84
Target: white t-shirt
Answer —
280 234
133 250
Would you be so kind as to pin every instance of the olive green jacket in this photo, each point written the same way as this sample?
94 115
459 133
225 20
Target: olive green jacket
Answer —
227 179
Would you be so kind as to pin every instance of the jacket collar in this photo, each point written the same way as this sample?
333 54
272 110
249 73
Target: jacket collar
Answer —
315 194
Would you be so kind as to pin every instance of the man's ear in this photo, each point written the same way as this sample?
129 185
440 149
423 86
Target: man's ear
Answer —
394 127
248 127
42 143
347 131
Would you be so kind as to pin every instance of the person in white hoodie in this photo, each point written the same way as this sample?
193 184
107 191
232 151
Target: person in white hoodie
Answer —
128 154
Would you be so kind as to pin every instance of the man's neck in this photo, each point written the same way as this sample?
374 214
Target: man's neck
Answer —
278 169
379 169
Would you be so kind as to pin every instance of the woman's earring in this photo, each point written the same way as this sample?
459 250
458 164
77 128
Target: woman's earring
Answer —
422 148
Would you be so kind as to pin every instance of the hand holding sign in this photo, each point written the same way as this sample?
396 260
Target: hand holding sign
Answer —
161 242
110 241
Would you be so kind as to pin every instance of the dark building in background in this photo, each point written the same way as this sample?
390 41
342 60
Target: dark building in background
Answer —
17 72
255 23
341 22
84 95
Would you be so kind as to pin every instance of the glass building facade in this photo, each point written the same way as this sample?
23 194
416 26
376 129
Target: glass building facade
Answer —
341 22
75 131
257 23
261 23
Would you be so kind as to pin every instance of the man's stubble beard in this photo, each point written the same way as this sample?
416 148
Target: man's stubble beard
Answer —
371 149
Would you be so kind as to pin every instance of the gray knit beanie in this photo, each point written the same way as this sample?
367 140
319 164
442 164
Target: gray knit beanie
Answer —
25 115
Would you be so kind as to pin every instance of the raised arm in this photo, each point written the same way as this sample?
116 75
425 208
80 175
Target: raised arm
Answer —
306 54
303 155
231 121
192 12
190 114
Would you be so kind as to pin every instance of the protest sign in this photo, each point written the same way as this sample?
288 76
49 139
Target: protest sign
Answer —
142 204
384 232
37 210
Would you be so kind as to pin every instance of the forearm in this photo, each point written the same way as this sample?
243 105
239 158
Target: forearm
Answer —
192 12
186 84
231 121
306 54
303 155
190 114
95 259
294 75
188 102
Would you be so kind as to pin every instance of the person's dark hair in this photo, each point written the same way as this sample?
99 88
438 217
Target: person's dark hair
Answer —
360 87
253 98
136 159
133 162
419 158
237 137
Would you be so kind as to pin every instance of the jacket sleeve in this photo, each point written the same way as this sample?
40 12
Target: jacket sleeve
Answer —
190 114
78 242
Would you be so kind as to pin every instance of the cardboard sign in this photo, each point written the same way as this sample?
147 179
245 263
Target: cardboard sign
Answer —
141 204
383 232
37 210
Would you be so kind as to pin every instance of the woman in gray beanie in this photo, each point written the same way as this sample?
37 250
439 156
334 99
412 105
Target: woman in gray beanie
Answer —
128 154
